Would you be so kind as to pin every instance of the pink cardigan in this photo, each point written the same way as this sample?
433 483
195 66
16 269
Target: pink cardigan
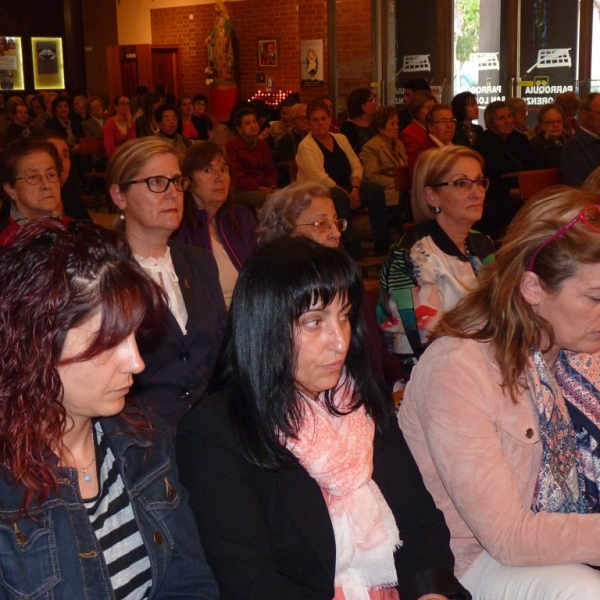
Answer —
479 455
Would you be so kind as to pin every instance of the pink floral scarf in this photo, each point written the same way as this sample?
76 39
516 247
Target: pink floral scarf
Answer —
338 453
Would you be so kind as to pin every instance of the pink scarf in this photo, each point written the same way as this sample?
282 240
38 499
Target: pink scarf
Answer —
338 453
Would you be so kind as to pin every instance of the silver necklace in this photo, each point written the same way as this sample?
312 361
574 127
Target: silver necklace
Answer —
86 476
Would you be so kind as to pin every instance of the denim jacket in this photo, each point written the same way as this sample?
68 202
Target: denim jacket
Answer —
53 553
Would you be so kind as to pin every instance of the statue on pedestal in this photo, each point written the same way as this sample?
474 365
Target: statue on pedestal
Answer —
220 44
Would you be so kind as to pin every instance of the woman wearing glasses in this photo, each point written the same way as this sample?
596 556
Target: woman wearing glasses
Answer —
441 126
435 264
30 171
547 145
501 412
306 210
357 127
211 220
146 184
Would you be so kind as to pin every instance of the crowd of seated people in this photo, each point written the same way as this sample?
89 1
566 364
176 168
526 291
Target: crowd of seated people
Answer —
210 379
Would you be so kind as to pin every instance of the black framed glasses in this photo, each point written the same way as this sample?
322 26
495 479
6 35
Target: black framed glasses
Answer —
36 178
326 225
159 183
465 184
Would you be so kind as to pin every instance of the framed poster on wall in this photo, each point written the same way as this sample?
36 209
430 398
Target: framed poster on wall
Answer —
268 53
11 63
48 64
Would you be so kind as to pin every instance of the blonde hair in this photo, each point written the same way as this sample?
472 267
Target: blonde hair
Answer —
431 167
131 157
496 312
592 183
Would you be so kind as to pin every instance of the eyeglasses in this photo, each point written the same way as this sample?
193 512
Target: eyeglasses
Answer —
36 178
444 122
159 184
590 215
123 103
466 184
552 122
325 225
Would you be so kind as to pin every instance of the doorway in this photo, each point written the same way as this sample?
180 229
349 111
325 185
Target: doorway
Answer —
165 69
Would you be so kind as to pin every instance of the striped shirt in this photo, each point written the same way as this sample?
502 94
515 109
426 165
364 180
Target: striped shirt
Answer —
115 527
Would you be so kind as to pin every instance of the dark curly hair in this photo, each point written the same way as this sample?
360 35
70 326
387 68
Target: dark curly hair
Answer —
54 276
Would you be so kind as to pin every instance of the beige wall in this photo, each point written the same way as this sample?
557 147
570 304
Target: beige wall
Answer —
133 18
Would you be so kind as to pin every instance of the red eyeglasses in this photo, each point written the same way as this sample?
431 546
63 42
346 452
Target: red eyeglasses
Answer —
590 215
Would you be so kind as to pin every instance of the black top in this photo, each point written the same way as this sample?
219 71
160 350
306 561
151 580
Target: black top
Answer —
547 149
465 136
357 136
336 164
502 157
268 533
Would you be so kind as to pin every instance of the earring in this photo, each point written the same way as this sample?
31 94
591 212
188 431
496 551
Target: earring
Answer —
122 216
437 210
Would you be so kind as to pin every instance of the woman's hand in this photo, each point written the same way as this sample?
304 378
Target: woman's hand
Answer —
433 597
355 198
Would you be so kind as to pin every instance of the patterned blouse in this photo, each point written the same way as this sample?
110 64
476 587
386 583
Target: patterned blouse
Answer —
425 275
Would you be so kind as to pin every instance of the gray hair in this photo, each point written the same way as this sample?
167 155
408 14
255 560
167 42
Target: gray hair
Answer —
281 209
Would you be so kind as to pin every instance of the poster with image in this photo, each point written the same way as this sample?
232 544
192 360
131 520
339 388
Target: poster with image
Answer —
48 63
11 63
311 63
47 57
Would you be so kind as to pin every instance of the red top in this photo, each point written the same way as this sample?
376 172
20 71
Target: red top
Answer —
251 167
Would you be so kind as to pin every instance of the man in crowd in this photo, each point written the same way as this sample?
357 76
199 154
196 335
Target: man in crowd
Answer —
166 120
505 151
581 152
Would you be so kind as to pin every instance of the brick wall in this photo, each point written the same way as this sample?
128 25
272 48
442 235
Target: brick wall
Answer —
290 23
355 60
251 20
99 31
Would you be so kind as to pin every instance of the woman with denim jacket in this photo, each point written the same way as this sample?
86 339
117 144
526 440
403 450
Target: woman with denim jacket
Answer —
90 501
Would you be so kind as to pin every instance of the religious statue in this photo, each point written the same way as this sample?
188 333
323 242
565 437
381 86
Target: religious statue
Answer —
220 44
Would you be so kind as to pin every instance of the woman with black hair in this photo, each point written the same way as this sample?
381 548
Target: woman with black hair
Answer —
357 128
300 480
466 110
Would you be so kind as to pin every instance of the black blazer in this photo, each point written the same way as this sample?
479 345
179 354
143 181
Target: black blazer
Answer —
502 157
268 534
179 366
